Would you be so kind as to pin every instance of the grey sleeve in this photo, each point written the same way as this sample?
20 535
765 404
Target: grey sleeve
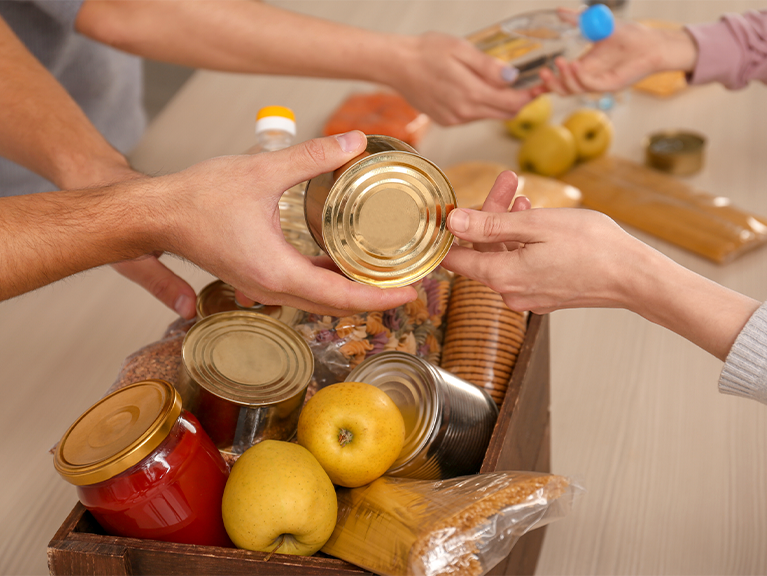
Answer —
745 370
63 11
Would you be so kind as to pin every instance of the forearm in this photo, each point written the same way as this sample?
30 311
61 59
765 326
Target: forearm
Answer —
44 129
45 237
240 36
691 305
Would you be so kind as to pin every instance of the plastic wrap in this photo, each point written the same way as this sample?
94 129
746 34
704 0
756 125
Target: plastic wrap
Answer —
384 113
340 344
466 525
482 337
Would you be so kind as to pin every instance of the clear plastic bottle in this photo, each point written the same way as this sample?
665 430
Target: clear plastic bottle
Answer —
532 40
275 130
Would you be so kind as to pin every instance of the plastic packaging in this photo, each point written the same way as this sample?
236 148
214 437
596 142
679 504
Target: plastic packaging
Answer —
466 525
275 130
532 40
340 344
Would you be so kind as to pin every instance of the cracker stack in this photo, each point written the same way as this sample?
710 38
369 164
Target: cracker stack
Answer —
482 337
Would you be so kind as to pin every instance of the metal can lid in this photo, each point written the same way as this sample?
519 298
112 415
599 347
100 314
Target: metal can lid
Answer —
247 358
218 296
410 383
385 219
678 152
117 432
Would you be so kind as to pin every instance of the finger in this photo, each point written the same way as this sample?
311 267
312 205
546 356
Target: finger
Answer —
481 267
567 77
491 70
243 301
568 15
520 204
480 227
552 82
498 200
162 283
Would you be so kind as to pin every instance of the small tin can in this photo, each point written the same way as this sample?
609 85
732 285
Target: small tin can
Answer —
218 296
448 421
677 152
245 375
382 216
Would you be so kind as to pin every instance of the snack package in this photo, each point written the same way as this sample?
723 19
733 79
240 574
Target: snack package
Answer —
465 525
383 113
340 344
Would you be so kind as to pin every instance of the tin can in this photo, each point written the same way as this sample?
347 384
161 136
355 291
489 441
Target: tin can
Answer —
382 216
244 375
677 152
218 296
448 421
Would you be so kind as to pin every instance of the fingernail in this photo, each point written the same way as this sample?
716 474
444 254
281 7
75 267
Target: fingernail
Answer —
183 305
509 74
351 141
459 220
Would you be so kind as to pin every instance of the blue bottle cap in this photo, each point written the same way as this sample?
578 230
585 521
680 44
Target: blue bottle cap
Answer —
596 22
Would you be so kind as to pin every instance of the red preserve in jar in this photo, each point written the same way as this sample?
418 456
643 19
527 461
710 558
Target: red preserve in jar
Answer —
145 468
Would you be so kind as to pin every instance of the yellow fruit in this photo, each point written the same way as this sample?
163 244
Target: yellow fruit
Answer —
278 498
549 151
592 130
532 115
355 431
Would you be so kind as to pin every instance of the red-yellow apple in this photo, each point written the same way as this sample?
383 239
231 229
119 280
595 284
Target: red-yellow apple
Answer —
355 431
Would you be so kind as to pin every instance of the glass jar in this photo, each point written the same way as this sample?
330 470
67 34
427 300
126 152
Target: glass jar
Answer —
145 468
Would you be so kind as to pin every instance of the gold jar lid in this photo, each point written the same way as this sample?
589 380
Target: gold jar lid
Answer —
247 358
117 432
218 296
677 152
384 220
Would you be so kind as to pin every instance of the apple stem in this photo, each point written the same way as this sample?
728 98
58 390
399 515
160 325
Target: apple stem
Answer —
282 539
344 437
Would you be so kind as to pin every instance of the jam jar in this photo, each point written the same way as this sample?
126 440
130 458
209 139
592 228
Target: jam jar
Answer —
145 468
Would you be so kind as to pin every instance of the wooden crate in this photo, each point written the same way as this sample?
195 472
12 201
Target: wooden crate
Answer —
520 441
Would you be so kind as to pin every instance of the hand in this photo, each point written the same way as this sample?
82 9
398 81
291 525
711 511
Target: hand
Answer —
226 220
453 82
632 52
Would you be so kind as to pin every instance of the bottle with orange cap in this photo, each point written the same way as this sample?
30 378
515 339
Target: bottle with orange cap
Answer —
275 130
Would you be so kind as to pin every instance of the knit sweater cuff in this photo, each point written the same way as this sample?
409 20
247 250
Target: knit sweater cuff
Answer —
745 370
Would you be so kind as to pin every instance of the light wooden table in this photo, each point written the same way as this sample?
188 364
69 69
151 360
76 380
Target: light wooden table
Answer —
675 472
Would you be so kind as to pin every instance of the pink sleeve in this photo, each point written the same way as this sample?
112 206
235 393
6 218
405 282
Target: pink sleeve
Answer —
732 51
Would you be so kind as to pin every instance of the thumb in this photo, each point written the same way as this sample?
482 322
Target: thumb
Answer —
480 227
320 155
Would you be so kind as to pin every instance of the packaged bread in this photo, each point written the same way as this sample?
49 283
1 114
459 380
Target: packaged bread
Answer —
472 182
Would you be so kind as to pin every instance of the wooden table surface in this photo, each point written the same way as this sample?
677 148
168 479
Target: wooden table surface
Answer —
675 473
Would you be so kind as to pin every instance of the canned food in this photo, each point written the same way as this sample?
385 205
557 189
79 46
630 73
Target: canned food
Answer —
382 216
448 421
145 468
245 375
676 152
218 296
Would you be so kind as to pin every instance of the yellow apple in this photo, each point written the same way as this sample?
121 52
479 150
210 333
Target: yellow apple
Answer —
548 151
592 130
355 431
279 499
532 115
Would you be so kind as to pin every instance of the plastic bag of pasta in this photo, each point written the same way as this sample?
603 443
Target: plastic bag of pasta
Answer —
466 525
340 344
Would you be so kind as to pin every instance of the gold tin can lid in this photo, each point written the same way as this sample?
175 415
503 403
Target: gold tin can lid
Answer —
410 383
677 152
218 296
117 432
247 358
384 221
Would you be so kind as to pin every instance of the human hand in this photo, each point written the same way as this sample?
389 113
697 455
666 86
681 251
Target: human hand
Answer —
224 217
632 52
453 82
544 259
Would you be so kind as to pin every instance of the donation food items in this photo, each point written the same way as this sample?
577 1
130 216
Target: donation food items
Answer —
279 499
553 149
355 431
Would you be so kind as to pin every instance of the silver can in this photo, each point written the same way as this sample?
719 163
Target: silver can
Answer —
448 421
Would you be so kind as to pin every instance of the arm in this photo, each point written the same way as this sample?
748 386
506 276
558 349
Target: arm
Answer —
234 235
445 77
573 258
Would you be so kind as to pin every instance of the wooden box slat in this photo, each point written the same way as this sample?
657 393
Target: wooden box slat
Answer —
520 441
